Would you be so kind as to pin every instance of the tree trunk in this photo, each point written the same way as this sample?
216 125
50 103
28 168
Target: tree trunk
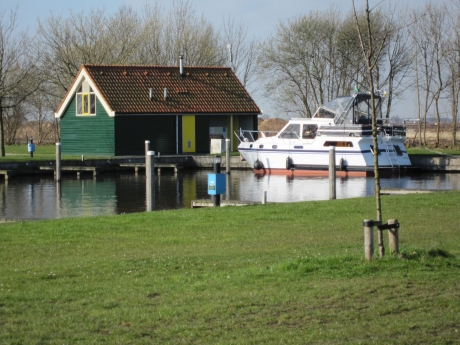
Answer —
2 139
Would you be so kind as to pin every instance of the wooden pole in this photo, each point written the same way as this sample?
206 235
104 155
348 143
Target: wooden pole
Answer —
381 244
393 236
227 156
150 180
332 179
368 238
57 173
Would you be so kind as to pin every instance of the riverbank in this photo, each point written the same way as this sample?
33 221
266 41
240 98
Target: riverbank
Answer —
276 273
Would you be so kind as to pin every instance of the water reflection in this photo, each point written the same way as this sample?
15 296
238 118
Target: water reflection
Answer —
42 198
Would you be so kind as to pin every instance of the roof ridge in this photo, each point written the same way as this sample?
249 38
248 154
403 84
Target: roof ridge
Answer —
152 66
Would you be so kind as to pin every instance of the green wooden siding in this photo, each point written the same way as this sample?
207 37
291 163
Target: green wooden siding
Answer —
87 135
131 132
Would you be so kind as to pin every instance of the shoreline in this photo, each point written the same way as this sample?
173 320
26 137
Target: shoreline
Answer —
420 163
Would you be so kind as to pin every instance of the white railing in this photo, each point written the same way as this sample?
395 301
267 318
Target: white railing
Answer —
249 136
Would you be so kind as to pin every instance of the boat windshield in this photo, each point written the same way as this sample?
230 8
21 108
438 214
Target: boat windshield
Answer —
334 108
291 132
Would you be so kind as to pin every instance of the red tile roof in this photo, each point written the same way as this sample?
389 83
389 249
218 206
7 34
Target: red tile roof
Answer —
201 90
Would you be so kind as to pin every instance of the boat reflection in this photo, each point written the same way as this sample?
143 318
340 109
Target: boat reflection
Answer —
42 198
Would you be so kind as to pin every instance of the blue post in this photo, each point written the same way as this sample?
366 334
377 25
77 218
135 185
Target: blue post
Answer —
216 182
31 147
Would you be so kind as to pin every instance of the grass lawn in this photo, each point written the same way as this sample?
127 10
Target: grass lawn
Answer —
266 274
420 150
18 153
46 152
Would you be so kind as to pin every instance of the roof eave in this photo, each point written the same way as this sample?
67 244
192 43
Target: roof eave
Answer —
82 74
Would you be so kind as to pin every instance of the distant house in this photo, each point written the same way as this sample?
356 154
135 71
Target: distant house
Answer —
112 110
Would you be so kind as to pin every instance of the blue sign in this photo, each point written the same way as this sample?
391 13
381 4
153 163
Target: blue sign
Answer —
216 184
30 147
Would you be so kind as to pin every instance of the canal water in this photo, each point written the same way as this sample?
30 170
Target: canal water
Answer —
41 198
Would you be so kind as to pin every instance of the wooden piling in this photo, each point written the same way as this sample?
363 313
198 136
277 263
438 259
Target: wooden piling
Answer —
227 156
57 172
368 238
150 180
380 242
332 174
393 236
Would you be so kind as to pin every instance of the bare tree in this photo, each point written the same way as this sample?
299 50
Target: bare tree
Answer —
371 53
91 38
17 68
397 56
241 52
39 115
316 57
299 63
453 59
13 119
432 42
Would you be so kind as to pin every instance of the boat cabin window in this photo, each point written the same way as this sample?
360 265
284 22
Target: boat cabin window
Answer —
292 131
363 111
309 131
339 143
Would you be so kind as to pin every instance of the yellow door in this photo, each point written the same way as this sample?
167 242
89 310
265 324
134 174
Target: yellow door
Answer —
188 133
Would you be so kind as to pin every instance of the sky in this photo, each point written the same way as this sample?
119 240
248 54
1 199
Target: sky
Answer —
260 16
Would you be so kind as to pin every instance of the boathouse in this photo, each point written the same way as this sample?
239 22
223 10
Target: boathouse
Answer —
113 109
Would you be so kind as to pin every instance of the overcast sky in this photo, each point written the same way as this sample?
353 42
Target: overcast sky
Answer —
260 16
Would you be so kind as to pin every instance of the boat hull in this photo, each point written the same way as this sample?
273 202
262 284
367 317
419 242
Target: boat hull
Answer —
354 157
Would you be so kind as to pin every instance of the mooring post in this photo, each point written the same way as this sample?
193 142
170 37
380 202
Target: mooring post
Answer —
228 188
393 236
147 149
217 162
57 173
227 156
368 238
332 189
150 179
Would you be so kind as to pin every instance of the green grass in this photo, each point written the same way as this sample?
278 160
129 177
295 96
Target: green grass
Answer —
18 153
46 152
267 274
419 150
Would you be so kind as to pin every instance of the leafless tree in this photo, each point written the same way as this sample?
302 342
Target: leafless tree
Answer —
241 52
316 57
299 62
397 56
13 119
18 78
39 115
371 51
433 42
91 38
453 60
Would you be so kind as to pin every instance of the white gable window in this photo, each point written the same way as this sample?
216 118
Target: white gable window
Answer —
86 100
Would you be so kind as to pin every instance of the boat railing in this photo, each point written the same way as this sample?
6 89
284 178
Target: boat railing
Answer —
394 131
251 136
